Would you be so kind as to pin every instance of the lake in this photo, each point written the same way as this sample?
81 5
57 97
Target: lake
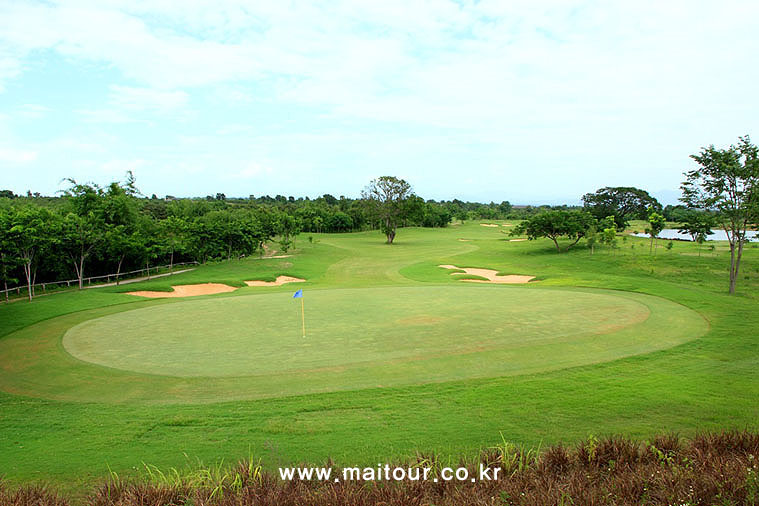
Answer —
718 235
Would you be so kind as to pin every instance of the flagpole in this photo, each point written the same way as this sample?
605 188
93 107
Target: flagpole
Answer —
303 316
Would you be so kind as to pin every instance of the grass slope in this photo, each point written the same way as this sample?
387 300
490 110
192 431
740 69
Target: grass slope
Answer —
706 383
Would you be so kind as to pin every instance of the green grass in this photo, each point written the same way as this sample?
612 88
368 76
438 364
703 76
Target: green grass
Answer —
64 419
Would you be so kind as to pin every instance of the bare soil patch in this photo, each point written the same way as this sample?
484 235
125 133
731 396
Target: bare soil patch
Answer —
490 275
281 280
187 291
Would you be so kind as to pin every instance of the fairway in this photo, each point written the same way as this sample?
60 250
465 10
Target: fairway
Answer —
251 346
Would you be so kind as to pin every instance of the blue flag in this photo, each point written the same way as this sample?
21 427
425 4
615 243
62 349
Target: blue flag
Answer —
298 294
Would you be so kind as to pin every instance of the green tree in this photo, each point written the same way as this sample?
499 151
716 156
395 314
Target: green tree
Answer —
83 228
80 235
698 225
609 237
119 213
591 238
386 198
655 226
173 232
288 228
32 232
121 243
727 183
8 259
573 225
623 203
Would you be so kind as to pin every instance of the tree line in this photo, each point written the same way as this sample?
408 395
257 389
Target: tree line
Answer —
722 191
91 230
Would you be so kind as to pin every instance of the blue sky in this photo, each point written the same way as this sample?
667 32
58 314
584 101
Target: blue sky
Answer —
526 101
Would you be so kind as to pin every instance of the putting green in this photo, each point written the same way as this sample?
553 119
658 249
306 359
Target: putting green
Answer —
250 346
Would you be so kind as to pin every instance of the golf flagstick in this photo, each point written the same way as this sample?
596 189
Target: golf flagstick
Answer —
303 316
299 295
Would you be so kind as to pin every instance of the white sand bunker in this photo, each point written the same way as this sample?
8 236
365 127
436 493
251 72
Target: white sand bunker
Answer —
517 240
281 280
187 291
490 276
465 240
488 224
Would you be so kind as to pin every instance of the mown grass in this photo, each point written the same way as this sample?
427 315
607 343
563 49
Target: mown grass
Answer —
706 384
244 347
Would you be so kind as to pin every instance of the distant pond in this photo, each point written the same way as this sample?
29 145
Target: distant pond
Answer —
718 235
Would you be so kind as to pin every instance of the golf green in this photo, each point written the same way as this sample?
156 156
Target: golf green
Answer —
251 346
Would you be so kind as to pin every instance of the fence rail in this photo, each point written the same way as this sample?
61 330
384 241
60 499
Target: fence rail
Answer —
23 289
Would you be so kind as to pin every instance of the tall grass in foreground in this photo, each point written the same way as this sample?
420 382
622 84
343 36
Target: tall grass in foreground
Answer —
711 469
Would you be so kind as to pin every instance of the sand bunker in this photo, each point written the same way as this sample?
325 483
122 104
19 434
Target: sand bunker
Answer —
187 291
490 276
465 240
281 280
517 240
488 224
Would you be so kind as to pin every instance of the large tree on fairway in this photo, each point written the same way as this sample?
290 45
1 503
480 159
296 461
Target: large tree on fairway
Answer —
387 202
623 203
727 182
556 224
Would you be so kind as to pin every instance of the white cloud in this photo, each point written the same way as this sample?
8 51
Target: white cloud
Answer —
252 170
16 156
107 116
147 99
129 104
440 61
515 86
32 111
118 167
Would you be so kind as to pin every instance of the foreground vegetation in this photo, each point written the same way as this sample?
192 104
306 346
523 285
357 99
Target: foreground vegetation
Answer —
709 469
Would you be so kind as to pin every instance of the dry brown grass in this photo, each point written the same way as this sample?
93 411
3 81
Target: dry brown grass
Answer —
711 469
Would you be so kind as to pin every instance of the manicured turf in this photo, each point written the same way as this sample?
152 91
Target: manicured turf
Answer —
677 370
251 346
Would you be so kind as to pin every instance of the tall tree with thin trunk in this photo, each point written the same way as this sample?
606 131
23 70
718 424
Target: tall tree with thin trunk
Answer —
386 199
656 224
727 183
173 231
31 232
83 227
80 235
8 258
119 214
